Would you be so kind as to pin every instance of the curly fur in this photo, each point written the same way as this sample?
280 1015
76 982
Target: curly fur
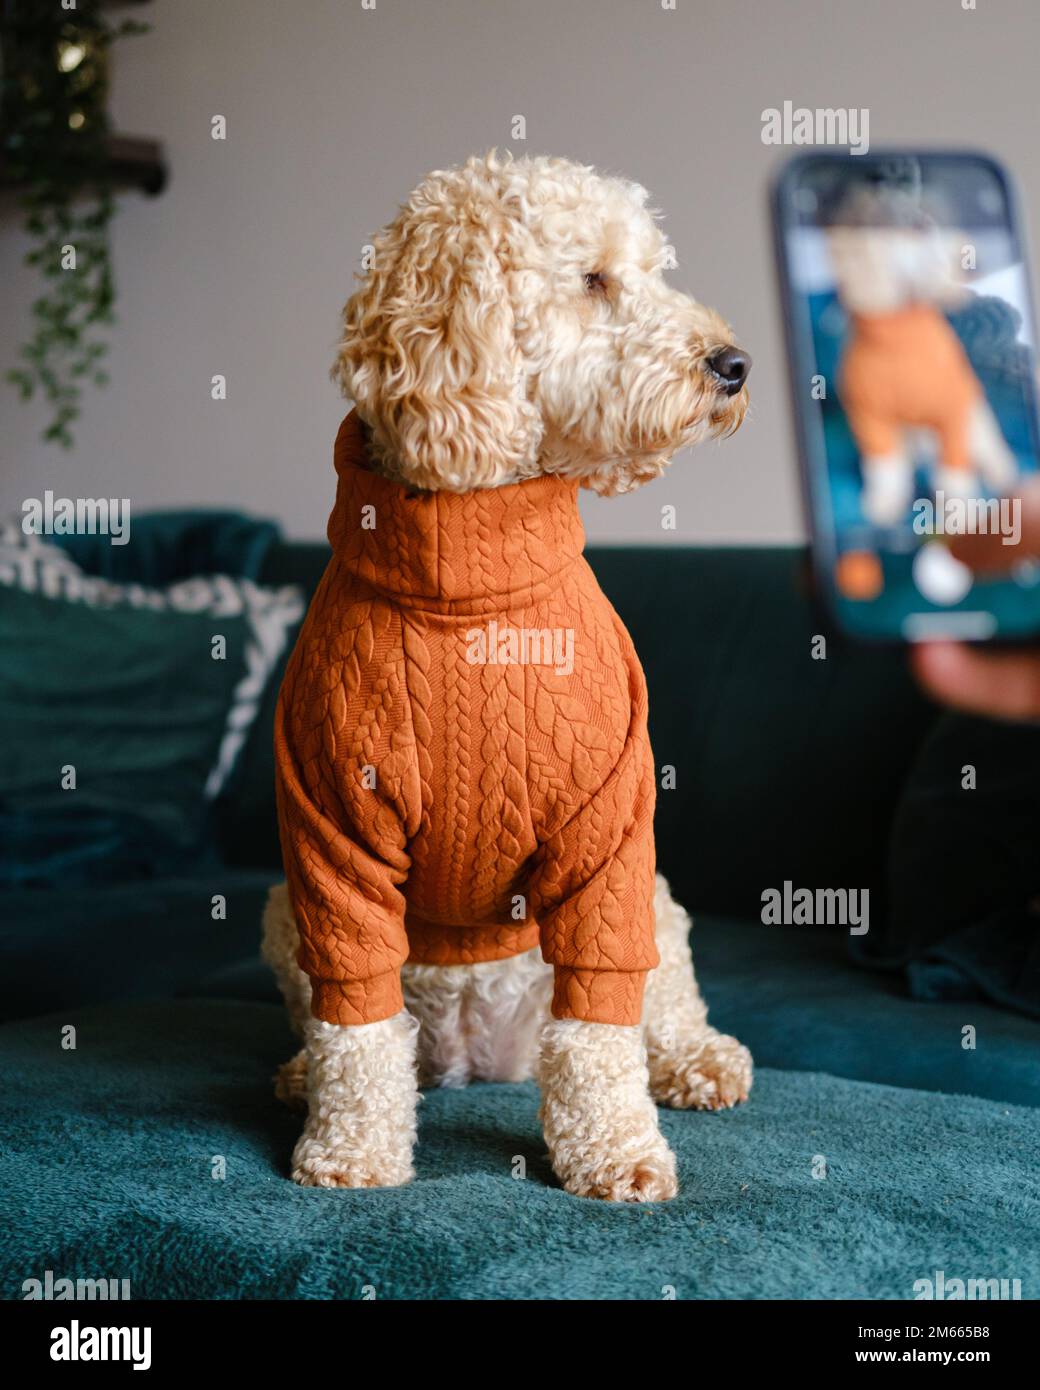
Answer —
477 355
691 1065
479 1022
516 321
597 1115
362 1096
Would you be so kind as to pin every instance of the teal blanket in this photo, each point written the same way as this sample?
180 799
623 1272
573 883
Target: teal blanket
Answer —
155 1152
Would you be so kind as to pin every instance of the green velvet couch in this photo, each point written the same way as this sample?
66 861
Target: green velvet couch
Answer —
876 1148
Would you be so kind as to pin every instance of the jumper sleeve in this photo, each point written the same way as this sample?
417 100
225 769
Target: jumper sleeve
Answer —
343 819
592 890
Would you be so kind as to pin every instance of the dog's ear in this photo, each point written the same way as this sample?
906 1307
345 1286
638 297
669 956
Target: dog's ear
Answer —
429 351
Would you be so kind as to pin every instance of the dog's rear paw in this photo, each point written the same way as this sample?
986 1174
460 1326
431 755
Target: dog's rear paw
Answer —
290 1081
314 1164
707 1071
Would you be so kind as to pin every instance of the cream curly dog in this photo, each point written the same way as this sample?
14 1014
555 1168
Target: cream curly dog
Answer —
514 339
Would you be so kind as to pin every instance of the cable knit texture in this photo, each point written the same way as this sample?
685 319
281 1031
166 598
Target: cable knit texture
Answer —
452 785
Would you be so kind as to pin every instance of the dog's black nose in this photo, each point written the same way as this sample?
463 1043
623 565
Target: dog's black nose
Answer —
731 366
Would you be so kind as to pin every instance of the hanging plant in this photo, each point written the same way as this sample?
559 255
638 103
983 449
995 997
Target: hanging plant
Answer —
56 153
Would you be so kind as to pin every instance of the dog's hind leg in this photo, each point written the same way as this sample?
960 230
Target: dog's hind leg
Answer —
278 947
691 1064
989 449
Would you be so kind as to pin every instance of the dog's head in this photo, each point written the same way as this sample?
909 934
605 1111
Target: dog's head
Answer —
887 251
879 270
516 321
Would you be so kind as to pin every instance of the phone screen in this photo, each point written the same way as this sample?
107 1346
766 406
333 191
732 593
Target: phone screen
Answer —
912 354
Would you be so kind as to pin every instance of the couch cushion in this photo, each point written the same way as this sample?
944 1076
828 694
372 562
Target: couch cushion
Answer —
246 824
63 949
156 1096
168 546
796 1000
123 718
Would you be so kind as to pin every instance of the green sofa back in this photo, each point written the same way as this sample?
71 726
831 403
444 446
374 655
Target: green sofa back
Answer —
787 767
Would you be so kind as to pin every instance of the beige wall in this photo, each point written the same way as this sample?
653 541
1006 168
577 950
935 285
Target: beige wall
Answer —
335 112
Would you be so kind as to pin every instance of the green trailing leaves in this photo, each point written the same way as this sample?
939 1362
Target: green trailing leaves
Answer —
55 130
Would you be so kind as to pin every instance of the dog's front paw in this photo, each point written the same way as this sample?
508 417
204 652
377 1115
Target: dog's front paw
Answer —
638 1167
361 1102
318 1163
706 1070
599 1121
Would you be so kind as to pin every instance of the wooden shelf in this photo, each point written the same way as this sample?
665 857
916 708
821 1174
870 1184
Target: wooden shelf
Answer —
137 162
133 162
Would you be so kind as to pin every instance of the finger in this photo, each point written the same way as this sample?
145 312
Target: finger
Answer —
995 552
1003 684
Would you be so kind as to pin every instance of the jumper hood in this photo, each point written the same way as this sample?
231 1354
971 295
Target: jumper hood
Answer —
461 552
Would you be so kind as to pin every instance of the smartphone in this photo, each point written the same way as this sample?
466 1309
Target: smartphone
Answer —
911 350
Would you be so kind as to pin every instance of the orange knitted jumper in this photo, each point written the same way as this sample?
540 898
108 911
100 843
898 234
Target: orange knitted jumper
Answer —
463 767
908 368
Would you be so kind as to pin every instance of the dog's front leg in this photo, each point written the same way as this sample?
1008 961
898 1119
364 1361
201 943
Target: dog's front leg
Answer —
599 1121
362 1098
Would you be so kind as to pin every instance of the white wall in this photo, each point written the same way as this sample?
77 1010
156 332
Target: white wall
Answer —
334 113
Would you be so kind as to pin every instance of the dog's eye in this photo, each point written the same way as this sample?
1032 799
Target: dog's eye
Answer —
595 282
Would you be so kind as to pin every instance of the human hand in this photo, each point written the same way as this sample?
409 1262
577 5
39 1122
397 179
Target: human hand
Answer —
1004 683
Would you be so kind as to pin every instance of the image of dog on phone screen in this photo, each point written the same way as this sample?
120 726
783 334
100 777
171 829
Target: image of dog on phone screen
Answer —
908 389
